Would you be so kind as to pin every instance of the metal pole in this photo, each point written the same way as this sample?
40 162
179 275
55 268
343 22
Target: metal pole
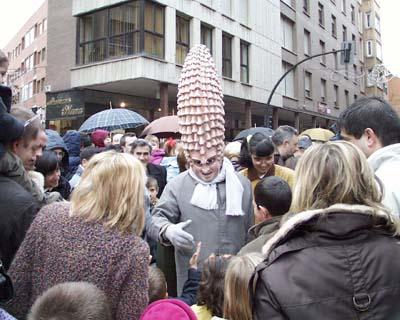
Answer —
287 72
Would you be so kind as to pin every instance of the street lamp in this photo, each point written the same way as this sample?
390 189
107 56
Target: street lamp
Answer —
122 104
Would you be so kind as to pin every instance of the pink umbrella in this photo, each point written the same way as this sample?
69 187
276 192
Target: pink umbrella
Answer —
163 127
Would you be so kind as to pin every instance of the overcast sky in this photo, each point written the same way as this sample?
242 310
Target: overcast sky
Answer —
15 12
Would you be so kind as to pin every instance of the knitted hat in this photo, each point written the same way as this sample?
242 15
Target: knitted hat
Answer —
166 309
98 137
200 106
11 128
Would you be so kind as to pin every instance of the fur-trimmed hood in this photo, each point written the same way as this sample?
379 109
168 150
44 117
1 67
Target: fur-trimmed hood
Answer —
299 219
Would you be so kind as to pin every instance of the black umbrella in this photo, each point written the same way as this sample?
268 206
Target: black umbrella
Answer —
251 131
113 119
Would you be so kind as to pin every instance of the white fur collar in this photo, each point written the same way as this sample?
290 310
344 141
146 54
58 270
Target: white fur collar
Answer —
302 217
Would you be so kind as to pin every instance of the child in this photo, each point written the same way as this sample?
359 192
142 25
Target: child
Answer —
210 297
158 284
237 278
152 186
71 301
272 197
167 309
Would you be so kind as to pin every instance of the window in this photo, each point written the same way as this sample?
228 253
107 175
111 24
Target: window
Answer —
244 62
42 85
306 6
321 18
379 51
154 29
361 46
344 33
123 30
29 37
369 51
226 55
353 14
27 91
343 7
307 84
43 54
355 76
117 32
322 49
44 25
206 36
323 90
37 58
307 42
347 97
377 24
93 37
368 21
370 83
287 33
288 81
28 63
334 26
360 21
182 39
335 95
355 97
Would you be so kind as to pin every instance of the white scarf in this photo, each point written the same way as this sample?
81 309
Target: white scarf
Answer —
205 193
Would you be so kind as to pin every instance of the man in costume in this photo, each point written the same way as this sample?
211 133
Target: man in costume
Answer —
209 202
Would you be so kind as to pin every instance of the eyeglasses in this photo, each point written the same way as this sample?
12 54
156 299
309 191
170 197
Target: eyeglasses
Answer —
29 121
207 163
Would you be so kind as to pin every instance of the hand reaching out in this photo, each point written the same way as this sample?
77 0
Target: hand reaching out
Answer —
195 257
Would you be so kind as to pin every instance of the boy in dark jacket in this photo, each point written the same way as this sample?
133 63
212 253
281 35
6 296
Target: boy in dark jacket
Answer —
272 197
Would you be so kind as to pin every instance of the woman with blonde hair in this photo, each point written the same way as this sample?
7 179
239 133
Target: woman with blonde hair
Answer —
237 304
95 238
337 256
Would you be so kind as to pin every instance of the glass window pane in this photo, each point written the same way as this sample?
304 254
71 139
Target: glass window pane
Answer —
159 23
181 52
206 37
149 17
154 45
93 51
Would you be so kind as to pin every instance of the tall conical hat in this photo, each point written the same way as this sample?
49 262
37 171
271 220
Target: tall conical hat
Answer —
200 105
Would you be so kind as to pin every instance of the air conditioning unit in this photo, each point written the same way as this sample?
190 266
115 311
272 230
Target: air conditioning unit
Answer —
47 88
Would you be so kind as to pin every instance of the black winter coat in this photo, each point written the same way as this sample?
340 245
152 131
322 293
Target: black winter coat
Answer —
338 263
17 210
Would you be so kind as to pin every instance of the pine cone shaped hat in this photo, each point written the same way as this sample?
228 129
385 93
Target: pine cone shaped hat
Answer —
200 105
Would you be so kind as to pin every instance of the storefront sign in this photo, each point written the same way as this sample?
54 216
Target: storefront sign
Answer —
65 105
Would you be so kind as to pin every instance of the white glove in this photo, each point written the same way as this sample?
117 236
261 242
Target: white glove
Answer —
179 238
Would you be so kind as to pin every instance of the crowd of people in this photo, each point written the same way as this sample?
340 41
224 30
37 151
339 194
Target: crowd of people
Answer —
112 226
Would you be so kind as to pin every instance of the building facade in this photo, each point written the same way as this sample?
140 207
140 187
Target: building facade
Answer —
96 54
318 90
136 50
372 46
27 55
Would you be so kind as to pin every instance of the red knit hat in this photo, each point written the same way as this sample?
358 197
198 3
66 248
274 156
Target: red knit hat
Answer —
167 309
98 137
